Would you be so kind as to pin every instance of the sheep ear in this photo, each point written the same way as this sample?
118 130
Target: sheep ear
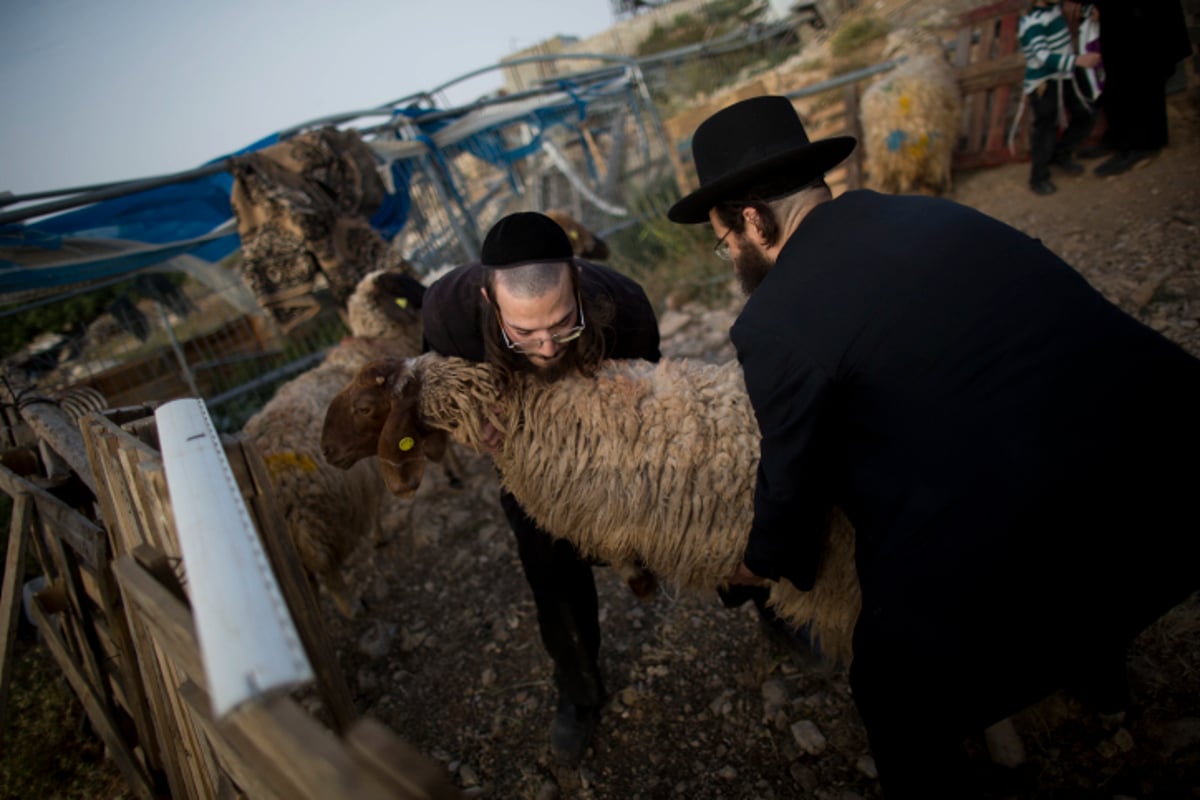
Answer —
401 450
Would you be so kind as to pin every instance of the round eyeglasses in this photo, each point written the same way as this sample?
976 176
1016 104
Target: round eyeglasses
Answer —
533 345
721 248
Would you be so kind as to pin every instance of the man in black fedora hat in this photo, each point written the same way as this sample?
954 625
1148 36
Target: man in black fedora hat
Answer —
1017 454
530 305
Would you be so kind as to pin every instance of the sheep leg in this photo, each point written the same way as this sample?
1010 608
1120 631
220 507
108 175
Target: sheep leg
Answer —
340 594
452 467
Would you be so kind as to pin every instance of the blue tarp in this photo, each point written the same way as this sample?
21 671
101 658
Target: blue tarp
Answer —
178 216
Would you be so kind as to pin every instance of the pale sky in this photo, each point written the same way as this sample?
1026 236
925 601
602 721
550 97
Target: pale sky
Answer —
104 90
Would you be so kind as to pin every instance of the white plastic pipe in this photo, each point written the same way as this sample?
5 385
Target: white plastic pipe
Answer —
248 642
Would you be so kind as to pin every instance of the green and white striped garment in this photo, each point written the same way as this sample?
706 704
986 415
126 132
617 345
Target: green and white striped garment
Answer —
1046 43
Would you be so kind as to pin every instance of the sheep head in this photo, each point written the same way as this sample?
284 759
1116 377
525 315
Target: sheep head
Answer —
584 243
385 303
377 413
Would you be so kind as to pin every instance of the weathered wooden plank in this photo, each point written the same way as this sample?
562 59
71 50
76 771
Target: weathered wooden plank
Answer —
135 776
129 673
58 429
84 536
154 681
260 781
981 104
109 450
279 732
177 659
293 583
78 622
1005 70
998 124
10 593
163 613
409 772
994 10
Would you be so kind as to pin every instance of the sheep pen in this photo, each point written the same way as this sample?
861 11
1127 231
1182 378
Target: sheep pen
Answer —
658 462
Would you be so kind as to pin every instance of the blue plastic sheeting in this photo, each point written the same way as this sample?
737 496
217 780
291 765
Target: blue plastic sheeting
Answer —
177 214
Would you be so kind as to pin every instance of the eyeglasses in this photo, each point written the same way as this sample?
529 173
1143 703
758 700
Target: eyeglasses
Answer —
722 249
533 345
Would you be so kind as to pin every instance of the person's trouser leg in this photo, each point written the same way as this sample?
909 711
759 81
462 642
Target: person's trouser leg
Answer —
564 592
917 753
1044 136
1082 117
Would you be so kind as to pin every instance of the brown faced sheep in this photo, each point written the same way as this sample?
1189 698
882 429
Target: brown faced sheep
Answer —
658 460
910 117
329 511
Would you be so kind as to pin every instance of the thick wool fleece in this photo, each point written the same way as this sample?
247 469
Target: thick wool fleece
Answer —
649 463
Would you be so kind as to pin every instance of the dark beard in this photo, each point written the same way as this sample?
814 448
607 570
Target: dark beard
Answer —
751 267
565 365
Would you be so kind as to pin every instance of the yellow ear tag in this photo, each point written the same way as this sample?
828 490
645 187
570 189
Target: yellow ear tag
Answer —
402 302
407 443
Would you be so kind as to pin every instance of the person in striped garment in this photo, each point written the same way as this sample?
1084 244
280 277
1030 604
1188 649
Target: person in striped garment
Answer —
1050 62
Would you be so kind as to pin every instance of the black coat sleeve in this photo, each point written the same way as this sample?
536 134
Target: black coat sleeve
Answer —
790 396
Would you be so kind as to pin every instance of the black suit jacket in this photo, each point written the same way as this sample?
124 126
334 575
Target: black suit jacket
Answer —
997 431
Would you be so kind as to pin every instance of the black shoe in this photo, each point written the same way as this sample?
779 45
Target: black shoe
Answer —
572 731
1123 162
1068 166
1095 151
1043 187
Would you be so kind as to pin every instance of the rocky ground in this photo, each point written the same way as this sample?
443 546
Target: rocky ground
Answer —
704 705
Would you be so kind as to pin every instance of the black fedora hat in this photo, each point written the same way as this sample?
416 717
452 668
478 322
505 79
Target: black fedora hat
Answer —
750 145
525 237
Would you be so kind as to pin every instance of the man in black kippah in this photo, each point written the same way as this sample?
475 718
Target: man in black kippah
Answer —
1017 455
531 306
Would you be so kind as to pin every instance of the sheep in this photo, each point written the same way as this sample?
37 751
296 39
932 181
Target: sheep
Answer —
910 117
659 461
584 243
328 511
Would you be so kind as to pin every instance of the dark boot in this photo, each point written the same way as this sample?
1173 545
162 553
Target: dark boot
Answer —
572 731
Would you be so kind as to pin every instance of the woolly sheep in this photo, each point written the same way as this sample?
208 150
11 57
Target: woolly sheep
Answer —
658 460
328 511
910 117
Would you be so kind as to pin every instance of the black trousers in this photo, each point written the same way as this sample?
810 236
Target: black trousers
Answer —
564 592
1046 146
1135 106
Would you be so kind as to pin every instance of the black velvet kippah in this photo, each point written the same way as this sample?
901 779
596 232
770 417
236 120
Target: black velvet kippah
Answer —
526 237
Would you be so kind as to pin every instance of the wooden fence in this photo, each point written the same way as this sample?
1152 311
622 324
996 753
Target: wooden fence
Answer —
990 68
115 615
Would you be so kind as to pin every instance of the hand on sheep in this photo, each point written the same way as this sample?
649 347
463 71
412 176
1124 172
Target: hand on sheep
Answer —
493 439
742 576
